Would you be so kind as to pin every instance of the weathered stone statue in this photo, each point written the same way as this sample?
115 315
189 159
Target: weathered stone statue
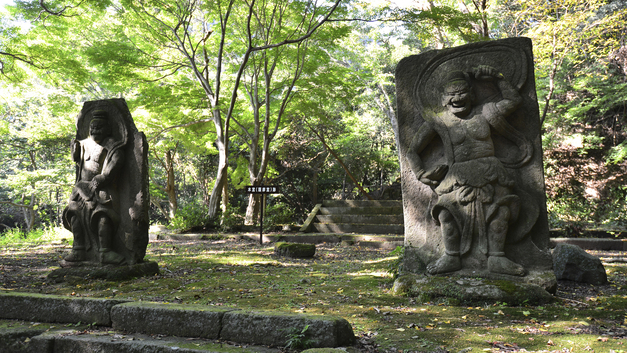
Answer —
108 208
471 160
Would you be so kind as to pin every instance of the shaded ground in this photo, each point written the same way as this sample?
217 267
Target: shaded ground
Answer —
351 282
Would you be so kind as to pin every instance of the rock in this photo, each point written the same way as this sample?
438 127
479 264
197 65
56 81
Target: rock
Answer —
295 250
156 319
572 263
347 242
272 328
13 340
470 291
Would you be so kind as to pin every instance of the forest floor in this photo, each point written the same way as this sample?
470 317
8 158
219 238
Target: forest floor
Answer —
348 281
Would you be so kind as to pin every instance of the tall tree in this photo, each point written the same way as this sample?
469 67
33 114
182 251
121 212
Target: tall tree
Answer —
35 168
200 38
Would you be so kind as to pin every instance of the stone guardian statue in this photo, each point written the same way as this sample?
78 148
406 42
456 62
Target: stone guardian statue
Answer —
471 161
108 208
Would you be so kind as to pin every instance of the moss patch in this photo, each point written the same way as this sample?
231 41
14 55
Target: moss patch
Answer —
351 282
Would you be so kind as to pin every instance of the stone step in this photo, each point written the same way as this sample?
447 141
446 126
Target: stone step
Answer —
592 243
246 327
105 340
359 228
362 210
362 203
361 219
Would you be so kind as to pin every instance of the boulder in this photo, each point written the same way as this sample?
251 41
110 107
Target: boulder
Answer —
295 250
572 263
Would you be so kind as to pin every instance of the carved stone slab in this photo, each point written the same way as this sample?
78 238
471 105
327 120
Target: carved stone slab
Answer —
124 200
421 82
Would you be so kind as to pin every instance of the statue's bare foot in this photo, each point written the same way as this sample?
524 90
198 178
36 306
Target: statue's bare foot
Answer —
501 264
111 258
446 263
75 256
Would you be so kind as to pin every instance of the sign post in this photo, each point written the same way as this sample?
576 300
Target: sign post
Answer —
264 190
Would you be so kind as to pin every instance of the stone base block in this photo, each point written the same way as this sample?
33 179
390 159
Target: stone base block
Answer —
473 291
53 308
272 328
295 250
169 319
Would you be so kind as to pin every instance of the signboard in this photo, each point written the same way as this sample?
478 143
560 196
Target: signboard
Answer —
269 189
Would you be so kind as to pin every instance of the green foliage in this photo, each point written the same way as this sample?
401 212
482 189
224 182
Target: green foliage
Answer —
232 219
572 210
297 338
447 23
191 215
17 236
180 93
278 213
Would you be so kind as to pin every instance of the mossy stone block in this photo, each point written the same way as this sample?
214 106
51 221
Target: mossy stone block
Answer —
295 250
169 319
470 291
272 328
56 308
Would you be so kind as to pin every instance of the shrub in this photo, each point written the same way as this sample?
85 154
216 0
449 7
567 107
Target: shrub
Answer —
40 235
277 214
232 219
190 216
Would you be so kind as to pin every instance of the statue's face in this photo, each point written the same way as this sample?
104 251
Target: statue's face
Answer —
98 129
458 98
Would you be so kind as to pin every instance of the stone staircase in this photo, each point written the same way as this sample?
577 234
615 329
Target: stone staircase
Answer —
352 216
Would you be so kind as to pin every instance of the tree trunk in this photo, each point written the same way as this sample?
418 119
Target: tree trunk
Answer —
314 187
171 185
252 210
348 173
225 197
29 213
218 188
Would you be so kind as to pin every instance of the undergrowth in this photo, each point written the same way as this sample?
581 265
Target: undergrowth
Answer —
16 236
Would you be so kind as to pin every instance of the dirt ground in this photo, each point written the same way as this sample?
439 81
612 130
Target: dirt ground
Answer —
198 270
27 267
